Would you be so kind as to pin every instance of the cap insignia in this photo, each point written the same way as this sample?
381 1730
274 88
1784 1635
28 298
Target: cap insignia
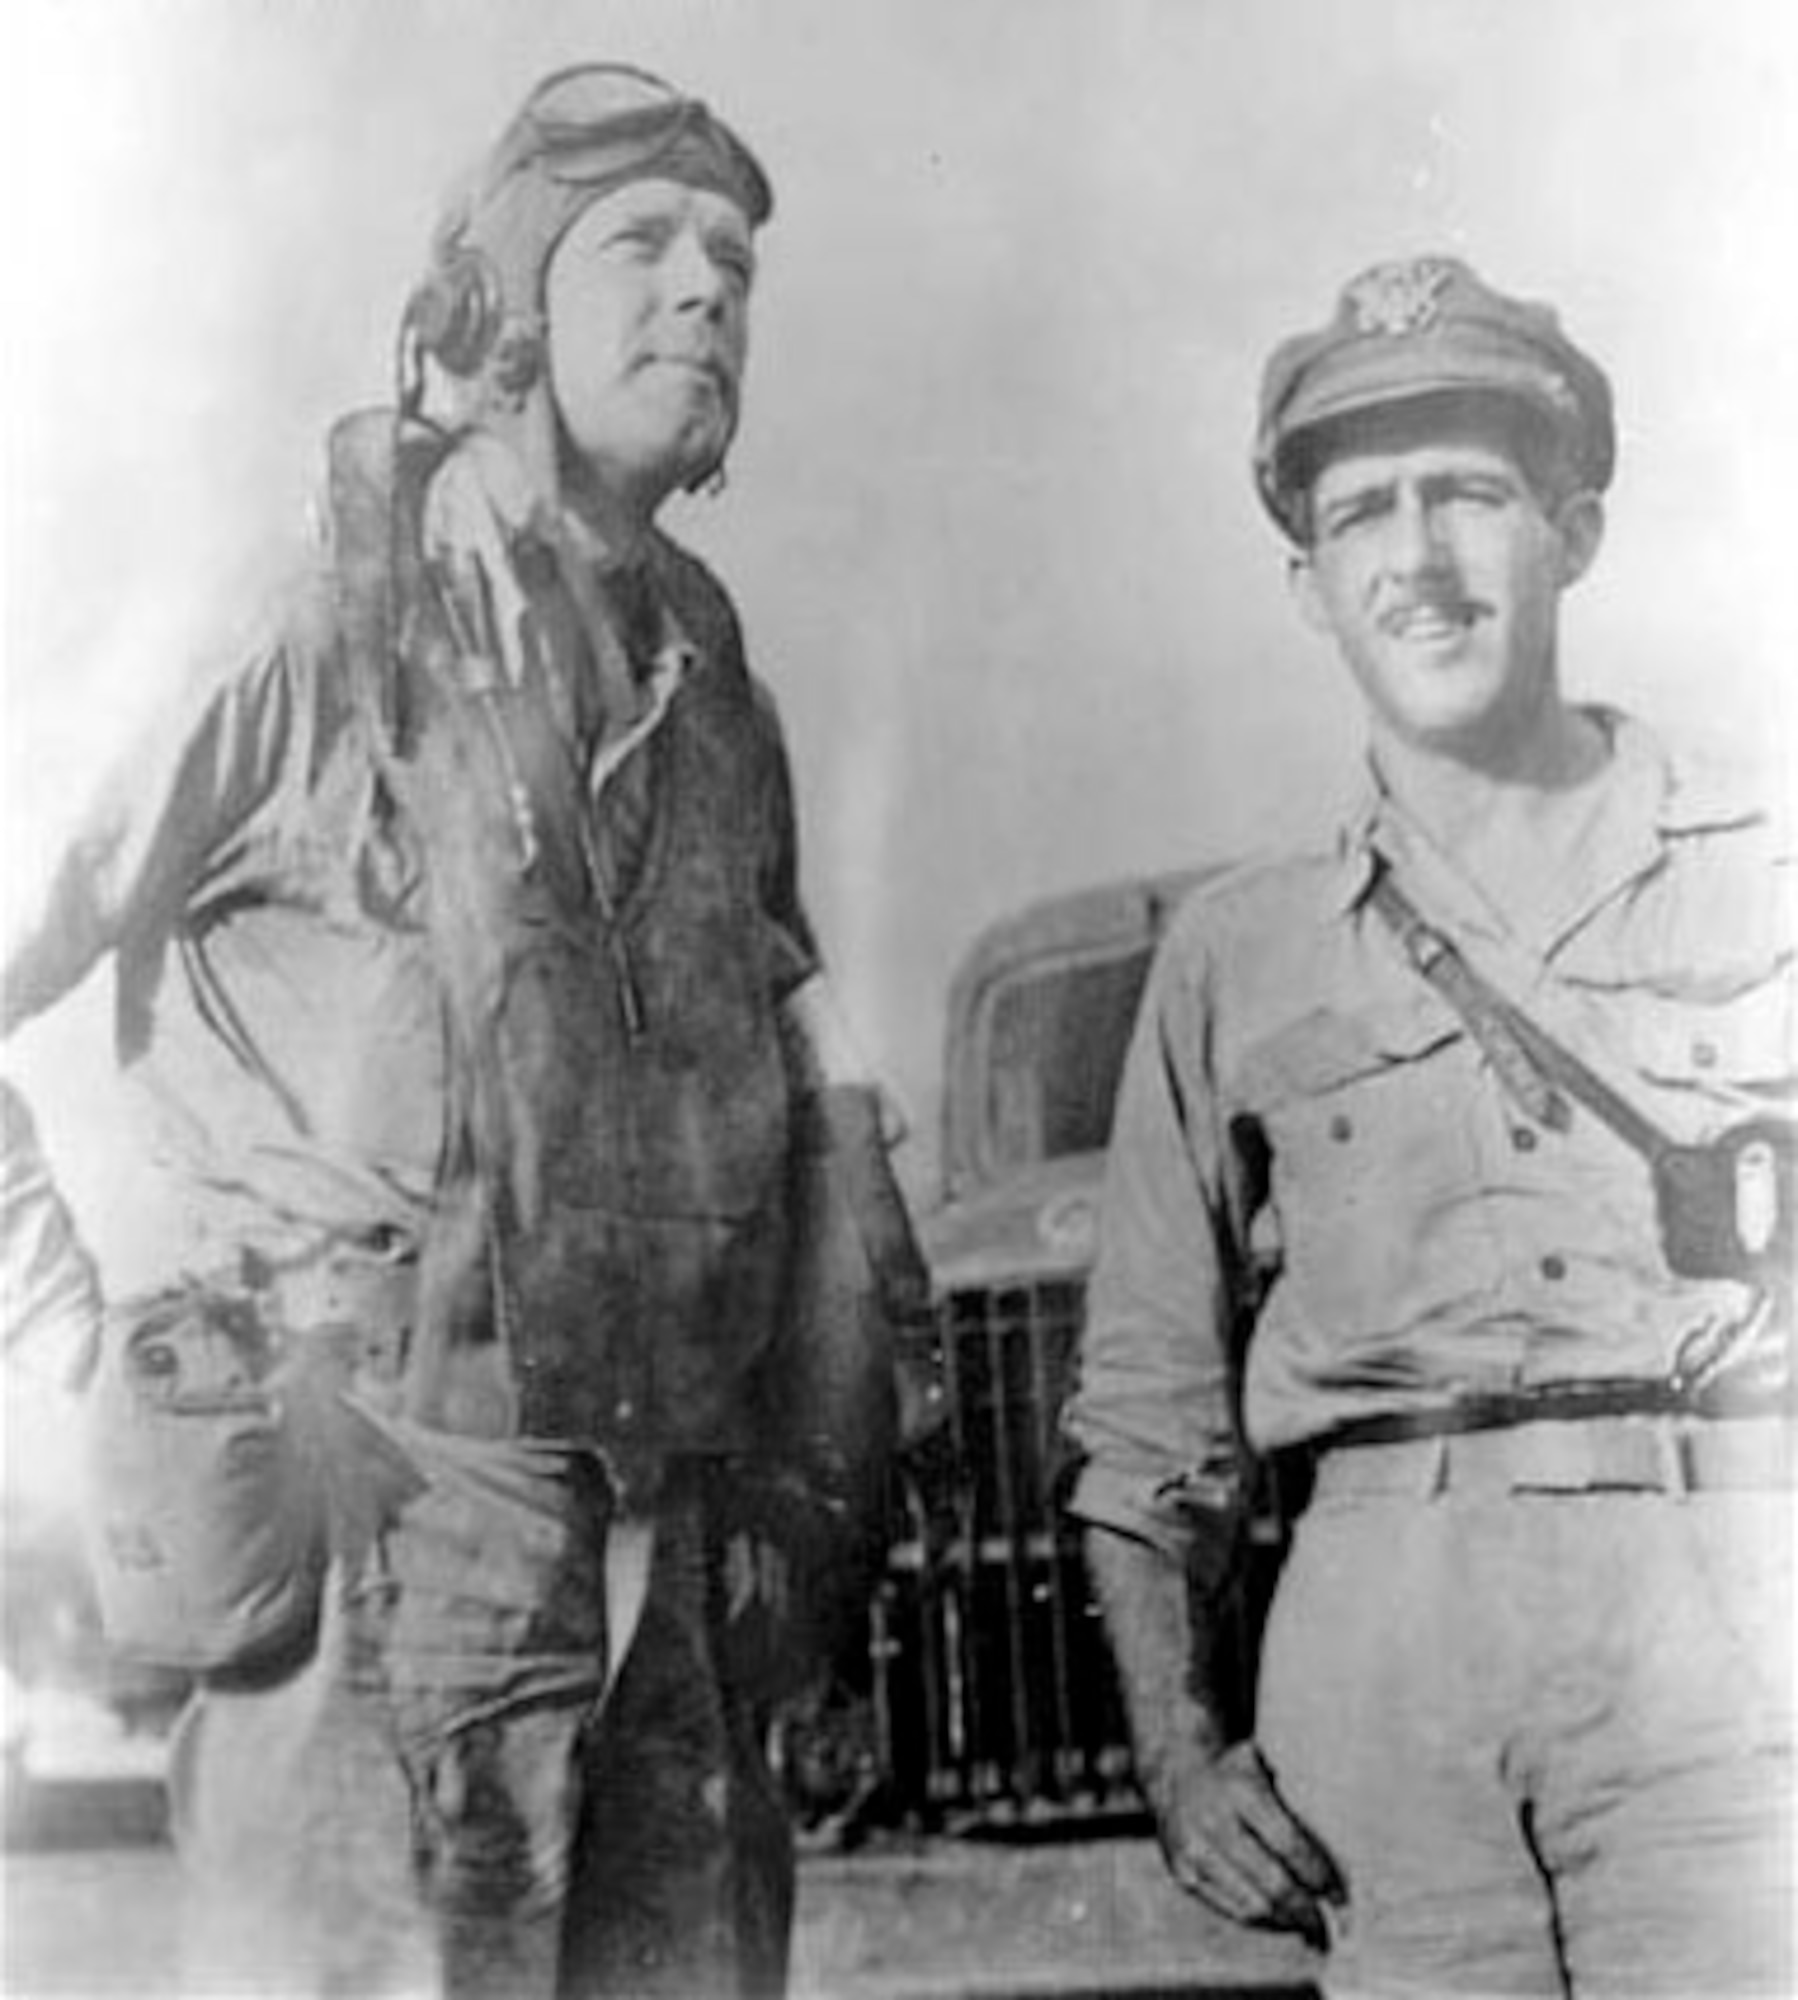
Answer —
1399 298
1561 394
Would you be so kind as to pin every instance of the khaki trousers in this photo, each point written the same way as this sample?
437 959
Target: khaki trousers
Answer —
1548 1735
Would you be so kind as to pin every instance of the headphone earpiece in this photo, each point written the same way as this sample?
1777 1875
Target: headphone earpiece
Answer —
455 313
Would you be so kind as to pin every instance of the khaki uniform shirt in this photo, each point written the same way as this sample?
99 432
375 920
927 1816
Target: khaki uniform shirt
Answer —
1322 1204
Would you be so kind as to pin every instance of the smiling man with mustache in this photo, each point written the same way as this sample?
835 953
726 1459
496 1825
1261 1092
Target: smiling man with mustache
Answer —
1435 558
1524 1722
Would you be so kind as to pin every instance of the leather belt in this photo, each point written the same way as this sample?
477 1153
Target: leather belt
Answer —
1566 1402
1639 1452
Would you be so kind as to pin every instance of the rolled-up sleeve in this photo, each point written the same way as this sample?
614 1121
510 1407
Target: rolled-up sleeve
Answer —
1151 1421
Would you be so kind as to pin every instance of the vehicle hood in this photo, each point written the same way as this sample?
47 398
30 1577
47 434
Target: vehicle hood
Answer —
1039 1224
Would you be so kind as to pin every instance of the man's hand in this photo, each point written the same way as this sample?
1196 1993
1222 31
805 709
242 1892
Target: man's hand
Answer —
1228 1836
1230 1840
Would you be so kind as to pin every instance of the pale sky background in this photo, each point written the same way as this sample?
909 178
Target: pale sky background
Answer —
989 522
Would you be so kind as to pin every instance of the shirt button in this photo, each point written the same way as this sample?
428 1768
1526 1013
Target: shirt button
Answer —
1342 1127
1553 1266
1704 1055
1523 1137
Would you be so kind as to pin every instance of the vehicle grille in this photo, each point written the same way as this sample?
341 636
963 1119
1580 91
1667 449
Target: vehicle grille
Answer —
993 1691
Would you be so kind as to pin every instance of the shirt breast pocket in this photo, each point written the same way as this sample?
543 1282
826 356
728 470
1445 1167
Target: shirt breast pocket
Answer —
1364 1114
1732 1054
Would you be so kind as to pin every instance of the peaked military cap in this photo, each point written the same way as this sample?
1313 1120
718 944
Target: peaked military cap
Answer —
1418 329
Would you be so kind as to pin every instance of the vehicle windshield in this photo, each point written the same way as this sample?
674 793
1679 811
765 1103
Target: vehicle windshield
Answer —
1056 1038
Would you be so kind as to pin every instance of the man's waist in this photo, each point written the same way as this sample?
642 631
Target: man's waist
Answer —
1571 1437
633 1480
599 1380
1575 1399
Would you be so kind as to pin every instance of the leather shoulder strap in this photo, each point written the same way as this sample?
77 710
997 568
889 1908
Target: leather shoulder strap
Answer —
1540 1073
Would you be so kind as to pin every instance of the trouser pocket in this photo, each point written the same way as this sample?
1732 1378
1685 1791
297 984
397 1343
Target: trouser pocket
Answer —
496 1575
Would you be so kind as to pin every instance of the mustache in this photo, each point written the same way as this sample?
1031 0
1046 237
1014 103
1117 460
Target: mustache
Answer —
1446 601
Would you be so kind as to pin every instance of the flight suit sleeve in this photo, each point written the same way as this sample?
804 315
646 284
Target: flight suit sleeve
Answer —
52 1289
795 956
162 823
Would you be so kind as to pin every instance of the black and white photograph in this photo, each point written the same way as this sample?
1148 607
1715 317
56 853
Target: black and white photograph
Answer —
899 969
